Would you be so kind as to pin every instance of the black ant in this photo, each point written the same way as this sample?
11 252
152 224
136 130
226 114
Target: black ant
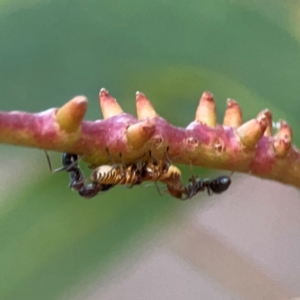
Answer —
77 182
217 185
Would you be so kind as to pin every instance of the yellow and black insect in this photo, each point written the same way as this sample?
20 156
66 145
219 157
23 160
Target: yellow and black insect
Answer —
137 173
163 171
118 174
105 177
170 175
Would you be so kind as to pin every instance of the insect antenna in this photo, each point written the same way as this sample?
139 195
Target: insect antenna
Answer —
48 161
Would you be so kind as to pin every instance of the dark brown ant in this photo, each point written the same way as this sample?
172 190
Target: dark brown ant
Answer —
77 182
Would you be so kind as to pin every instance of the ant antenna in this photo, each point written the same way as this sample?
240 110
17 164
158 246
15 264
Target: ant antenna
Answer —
50 165
48 160
192 179
168 159
152 157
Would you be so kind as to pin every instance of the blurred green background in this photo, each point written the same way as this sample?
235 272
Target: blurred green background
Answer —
51 240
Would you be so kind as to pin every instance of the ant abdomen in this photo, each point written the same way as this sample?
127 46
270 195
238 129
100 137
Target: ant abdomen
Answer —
220 184
88 190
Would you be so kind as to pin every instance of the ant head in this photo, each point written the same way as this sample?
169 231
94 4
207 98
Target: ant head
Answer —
68 159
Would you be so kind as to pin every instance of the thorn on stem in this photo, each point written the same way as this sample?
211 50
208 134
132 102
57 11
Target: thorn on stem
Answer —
206 111
233 114
139 134
70 115
283 139
268 115
252 131
109 105
144 107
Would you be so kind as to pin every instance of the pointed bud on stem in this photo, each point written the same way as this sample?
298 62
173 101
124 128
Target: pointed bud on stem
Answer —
109 105
233 114
144 108
206 111
70 116
283 139
139 134
252 131
268 115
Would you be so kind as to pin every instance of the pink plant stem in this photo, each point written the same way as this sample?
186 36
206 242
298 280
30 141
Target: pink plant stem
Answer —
234 146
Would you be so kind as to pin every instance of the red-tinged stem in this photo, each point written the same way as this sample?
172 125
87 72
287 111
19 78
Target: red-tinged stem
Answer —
248 148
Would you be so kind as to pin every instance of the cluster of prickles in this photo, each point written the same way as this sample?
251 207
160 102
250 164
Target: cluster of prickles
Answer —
105 177
234 145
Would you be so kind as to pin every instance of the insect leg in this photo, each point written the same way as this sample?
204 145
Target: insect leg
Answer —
157 188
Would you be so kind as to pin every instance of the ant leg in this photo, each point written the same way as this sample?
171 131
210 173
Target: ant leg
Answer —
168 159
121 158
112 161
208 191
157 188
155 161
191 186
139 164
150 155
207 185
192 171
